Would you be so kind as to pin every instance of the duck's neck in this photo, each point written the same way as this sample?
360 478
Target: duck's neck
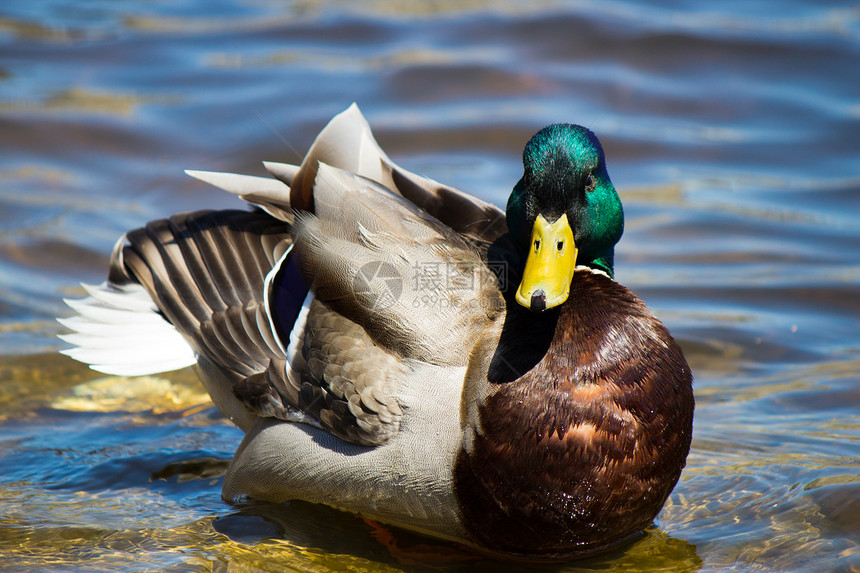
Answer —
524 340
604 263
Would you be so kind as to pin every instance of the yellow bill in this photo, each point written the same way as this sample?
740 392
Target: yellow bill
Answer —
549 266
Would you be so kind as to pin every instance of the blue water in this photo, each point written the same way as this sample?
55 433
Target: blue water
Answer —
732 131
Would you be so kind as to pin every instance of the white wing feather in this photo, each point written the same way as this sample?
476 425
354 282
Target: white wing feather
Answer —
117 330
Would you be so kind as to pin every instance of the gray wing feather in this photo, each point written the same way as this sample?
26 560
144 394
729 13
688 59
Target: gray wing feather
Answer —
363 253
273 195
347 381
206 273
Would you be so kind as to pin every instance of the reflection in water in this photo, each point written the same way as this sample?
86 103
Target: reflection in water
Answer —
731 133
334 532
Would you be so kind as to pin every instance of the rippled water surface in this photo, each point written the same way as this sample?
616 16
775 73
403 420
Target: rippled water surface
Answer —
732 132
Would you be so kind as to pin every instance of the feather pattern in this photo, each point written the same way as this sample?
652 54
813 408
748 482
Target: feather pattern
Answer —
364 253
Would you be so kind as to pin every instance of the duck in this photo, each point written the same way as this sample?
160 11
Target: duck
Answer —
398 349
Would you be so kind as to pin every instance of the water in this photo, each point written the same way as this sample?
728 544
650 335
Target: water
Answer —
732 132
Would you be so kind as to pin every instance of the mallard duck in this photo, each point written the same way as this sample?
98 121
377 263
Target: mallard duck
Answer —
399 349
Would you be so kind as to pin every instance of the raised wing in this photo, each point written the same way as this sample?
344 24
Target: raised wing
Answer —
347 143
416 286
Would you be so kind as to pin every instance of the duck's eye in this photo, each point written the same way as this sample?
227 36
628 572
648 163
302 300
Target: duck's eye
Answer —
589 184
537 245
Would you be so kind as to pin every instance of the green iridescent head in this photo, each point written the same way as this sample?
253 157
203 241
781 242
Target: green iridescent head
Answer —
564 212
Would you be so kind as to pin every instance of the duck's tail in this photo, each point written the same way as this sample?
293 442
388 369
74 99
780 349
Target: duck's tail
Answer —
180 287
118 330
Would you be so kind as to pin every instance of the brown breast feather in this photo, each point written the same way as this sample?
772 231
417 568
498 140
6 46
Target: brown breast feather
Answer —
581 450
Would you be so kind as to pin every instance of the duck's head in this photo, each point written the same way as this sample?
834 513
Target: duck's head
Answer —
564 212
